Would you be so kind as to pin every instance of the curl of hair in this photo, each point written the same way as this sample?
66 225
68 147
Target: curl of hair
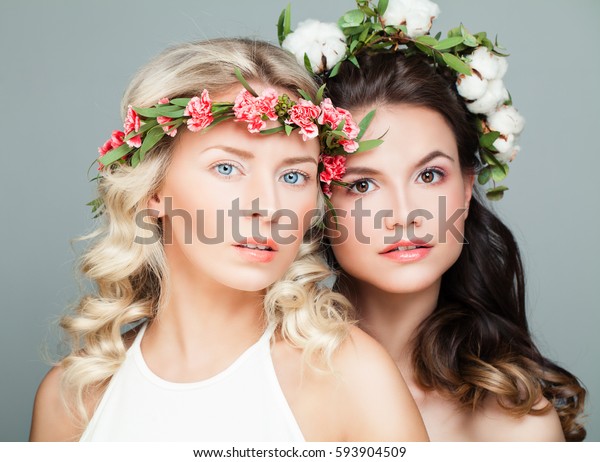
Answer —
131 277
477 341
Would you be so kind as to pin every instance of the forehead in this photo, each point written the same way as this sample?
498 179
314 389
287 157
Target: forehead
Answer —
408 131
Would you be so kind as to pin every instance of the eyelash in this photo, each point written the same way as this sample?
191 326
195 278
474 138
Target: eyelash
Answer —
305 175
436 171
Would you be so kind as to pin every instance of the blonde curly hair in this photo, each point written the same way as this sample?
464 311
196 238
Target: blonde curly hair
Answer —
132 279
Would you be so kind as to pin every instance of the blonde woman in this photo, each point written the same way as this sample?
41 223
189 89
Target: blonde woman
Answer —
208 243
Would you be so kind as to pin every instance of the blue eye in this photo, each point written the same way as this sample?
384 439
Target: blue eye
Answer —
225 169
294 178
362 186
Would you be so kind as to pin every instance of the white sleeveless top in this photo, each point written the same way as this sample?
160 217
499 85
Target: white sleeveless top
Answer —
242 403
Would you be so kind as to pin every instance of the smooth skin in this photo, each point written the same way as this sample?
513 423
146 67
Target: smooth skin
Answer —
217 292
416 166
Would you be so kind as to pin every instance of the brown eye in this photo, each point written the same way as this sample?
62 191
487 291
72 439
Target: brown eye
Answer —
427 177
362 186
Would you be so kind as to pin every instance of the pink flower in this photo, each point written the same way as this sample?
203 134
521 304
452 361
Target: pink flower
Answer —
349 146
267 103
167 128
132 124
304 115
163 101
351 129
329 114
115 140
334 168
255 109
199 109
326 189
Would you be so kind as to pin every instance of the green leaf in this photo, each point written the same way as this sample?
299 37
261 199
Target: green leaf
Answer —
426 40
308 65
147 111
183 102
114 154
487 141
135 159
390 30
304 95
456 63
363 35
364 123
448 43
270 131
288 129
353 60
470 41
284 24
153 136
484 176
367 145
424 48
147 125
319 96
438 35
382 6
495 194
335 70
242 80
499 172
352 18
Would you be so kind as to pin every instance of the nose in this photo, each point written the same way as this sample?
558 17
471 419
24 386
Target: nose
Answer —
263 197
403 212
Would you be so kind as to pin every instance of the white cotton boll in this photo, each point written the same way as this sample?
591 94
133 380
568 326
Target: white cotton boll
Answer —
495 95
418 23
416 14
505 143
509 155
506 120
396 12
317 39
484 62
502 66
471 87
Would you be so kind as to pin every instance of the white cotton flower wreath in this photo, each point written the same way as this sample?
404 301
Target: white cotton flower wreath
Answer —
417 15
404 26
323 43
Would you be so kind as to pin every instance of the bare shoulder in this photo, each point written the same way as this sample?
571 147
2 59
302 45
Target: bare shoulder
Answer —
494 423
51 419
378 405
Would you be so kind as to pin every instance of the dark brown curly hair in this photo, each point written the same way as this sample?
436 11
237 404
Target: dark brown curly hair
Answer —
477 341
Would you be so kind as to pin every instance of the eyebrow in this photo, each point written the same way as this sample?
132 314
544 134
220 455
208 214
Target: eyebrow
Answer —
298 160
238 152
362 171
367 171
432 155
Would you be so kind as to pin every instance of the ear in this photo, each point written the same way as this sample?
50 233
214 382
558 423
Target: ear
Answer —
469 181
157 203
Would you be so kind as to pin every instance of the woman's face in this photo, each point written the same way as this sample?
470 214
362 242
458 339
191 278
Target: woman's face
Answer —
236 205
401 221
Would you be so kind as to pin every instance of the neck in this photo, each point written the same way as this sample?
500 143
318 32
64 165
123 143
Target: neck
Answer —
393 318
201 313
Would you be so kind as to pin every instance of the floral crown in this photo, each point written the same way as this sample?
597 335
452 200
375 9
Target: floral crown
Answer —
404 26
145 127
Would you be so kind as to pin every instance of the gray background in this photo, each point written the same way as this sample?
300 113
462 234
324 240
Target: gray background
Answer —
64 65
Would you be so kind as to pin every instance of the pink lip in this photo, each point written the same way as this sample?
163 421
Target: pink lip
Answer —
406 256
257 255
